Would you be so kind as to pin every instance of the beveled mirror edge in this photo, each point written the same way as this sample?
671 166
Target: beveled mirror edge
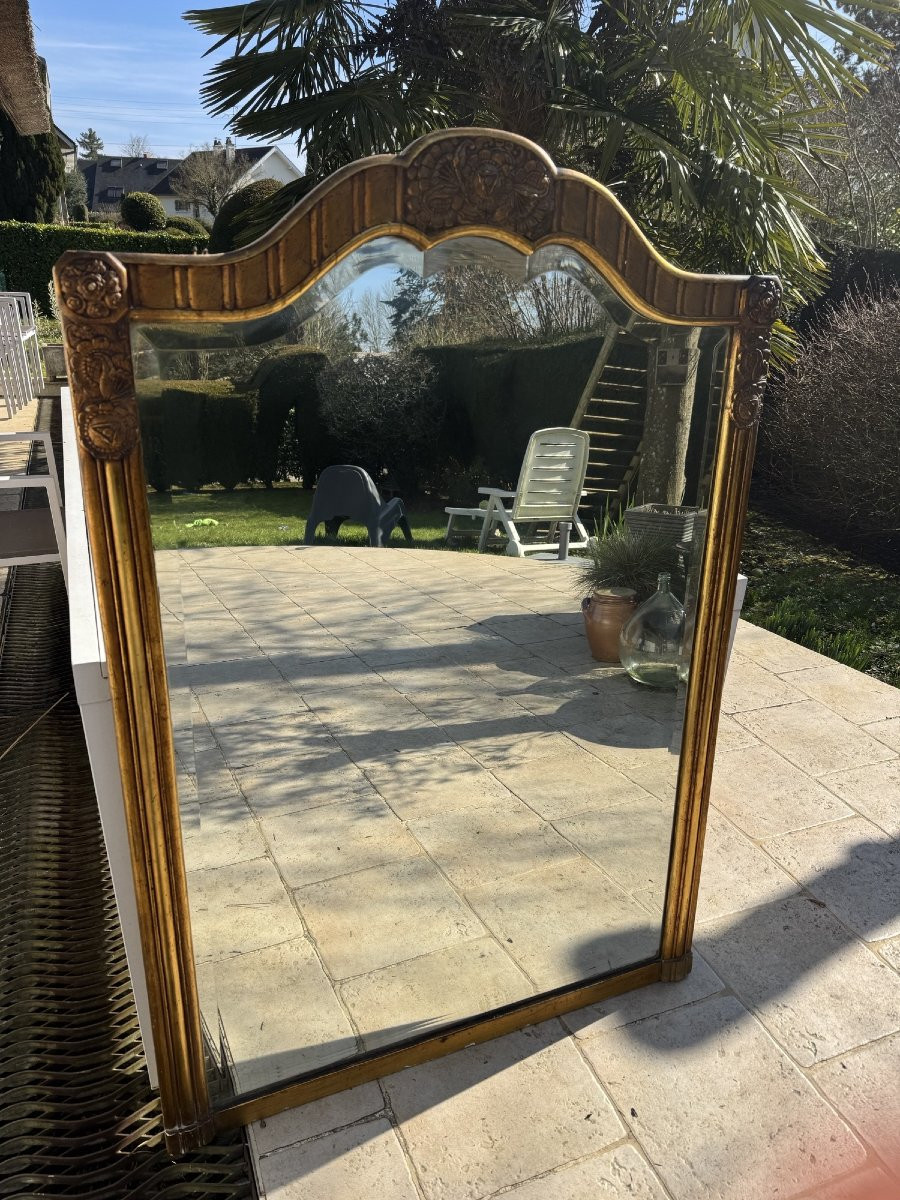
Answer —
99 296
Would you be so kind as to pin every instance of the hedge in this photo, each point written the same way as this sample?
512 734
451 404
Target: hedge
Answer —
285 381
28 252
195 432
479 384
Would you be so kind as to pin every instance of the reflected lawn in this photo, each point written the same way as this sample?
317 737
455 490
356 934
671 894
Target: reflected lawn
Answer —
257 516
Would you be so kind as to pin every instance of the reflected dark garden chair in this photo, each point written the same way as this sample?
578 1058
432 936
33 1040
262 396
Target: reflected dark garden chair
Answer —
347 493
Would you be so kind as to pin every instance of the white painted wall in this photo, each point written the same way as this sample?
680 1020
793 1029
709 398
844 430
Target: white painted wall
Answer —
92 690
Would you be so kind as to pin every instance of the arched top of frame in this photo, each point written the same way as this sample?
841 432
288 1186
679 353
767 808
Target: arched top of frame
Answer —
446 184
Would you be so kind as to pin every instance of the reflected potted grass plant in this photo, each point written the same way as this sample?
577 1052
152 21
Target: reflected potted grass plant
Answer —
619 572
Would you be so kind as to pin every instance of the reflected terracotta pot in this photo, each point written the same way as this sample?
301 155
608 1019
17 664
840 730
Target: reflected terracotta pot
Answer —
604 615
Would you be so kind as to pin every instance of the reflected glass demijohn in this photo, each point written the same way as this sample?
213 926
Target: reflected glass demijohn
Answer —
650 645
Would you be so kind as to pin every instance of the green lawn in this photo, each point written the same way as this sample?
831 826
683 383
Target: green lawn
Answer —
254 516
822 597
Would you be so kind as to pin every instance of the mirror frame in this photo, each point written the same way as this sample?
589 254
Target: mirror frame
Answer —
446 185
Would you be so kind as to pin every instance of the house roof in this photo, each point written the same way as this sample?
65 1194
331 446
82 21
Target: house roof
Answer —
65 141
144 174
23 76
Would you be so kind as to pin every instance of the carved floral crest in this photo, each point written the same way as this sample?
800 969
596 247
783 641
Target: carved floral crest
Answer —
93 286
93 290
763 296
480 181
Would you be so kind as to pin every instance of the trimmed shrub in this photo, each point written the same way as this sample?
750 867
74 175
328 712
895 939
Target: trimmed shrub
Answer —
195 432
28 252
226 227
286 381
32 174
384 412
142 212
477 384
186 225
79 212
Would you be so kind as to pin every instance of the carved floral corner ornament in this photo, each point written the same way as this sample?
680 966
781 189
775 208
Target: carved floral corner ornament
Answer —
93 292
762 297
480 181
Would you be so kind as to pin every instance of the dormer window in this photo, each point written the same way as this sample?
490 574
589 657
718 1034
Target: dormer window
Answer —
114 193
162 164
115 162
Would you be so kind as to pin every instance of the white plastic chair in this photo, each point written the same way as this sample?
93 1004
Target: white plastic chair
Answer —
15 378
28 326
33 535
550 488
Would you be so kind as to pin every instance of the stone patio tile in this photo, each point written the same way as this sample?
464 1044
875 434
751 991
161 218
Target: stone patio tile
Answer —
358 1163
865 1185
509 740
303 1025
428 783
565 785
814 738
712 1099
244 907
570 652
566 922
459 981
313 1119
736 873
619 1174
476 846
890 951
732 736
307 784
233 673
251 701
749 686
886 731
865 1088
289 738
773 652
764 794
307 675
311 641
645 1002
857 697
214 780
495 1115
873 791
817 990
524 629
218 640
409 735
853 867
384 915
630 842
336 839
228 833
473 644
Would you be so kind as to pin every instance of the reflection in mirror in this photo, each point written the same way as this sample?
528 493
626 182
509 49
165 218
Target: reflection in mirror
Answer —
413 789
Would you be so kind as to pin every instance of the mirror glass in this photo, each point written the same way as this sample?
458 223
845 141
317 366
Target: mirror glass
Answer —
417 782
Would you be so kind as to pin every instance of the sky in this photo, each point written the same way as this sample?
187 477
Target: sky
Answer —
129 68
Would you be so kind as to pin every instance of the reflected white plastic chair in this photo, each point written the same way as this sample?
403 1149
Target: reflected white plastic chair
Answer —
33 535
550 488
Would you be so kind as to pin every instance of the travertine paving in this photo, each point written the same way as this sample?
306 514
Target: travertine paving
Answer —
772 1071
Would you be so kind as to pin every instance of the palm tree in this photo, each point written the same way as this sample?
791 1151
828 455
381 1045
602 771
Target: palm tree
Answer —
685 108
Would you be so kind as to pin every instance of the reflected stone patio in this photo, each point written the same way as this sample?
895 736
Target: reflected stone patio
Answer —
409 793
771 1072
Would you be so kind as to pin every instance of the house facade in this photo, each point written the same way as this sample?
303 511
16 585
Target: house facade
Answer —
112 177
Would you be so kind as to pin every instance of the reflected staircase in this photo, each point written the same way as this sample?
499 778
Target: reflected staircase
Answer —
611 410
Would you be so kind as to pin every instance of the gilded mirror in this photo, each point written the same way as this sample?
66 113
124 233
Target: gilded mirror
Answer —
383 800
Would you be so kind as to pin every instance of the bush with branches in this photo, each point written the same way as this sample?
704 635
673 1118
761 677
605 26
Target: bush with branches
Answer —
143 212
232 216
833 428
187 225
384 413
